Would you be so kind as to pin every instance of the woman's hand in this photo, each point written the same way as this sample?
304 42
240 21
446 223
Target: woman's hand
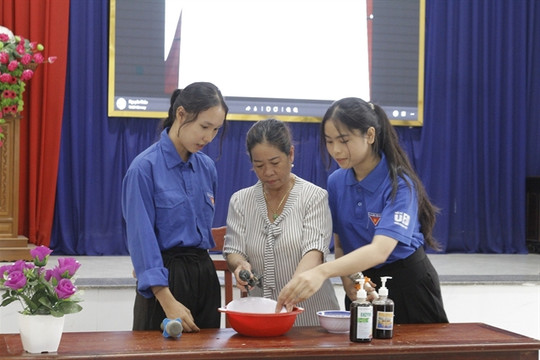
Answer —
242 274
237 263
174 309
299 288
178 310
350 288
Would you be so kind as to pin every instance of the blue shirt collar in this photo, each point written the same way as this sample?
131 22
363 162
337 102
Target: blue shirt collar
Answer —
172 158
372 181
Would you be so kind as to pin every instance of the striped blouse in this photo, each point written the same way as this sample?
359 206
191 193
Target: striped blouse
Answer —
275 249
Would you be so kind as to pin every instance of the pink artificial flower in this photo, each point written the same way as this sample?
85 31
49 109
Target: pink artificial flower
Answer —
65 289
4 37
4 269
38 58
52 59
13 80
40 254
5 78
20 265
49 274
67 267
26 59
12 66
27 75
15 280
4 57
33 45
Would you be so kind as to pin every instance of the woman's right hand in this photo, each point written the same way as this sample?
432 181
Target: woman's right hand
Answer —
178 310
241 281
349 287
174 309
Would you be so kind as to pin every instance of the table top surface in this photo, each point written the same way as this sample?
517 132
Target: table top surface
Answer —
298 342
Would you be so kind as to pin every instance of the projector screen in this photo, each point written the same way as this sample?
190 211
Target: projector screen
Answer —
288 59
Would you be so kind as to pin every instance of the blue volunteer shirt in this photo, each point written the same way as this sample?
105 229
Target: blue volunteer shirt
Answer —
363 209
166 203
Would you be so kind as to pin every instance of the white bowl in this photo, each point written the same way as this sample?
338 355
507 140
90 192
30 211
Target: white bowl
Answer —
335 321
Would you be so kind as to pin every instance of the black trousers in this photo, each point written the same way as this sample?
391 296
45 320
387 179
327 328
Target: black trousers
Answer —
414 288
193 281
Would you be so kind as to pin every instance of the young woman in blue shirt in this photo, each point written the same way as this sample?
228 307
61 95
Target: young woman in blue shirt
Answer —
168 205
382 216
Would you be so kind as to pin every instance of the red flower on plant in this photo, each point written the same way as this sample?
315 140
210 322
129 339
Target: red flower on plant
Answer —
26 59
27 75
20 48
5 78
8 94
38 58
13 64
10 109
4 57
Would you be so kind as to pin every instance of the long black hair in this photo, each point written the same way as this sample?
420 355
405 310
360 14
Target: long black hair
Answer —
357 114
195 98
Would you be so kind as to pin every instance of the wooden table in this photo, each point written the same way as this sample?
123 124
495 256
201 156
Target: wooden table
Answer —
427 341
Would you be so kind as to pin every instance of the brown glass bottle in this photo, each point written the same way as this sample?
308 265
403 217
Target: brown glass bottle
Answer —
383 318
383 313
361 321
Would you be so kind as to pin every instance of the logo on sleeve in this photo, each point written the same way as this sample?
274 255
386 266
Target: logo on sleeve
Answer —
210 197
375 218
402 219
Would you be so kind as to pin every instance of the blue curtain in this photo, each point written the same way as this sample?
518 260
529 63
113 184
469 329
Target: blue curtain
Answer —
95 150
532 88
474 139
477 145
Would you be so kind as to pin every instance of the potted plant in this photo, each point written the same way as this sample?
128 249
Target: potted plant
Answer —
46 295
19 58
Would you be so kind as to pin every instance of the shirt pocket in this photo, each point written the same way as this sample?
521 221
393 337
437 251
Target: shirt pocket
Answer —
170 210
169 199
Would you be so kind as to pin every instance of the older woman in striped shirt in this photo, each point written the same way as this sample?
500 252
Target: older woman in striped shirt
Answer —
282 225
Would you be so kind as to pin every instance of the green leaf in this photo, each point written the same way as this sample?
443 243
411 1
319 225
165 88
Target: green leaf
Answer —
69 307
8 301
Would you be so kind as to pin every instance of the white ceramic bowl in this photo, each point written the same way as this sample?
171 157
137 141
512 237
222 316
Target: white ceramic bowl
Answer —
335 321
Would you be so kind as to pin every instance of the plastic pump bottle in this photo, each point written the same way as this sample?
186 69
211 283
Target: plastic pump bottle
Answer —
361 329
383 313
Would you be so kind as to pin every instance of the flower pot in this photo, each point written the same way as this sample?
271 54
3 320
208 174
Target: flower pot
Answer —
40 333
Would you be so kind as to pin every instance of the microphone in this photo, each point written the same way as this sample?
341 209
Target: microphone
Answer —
172 327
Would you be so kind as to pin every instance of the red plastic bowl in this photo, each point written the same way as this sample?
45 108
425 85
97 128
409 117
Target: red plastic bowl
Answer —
261 325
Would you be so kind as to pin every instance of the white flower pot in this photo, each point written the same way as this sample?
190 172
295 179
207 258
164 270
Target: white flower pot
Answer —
40 333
